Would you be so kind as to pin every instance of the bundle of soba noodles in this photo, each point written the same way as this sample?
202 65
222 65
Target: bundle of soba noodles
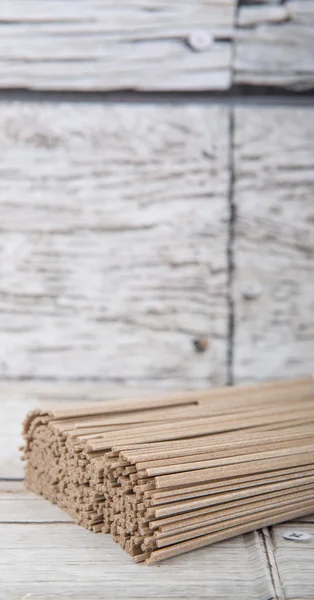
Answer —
170 474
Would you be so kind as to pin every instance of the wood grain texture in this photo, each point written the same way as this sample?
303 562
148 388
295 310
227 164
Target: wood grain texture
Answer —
50 561
274 243
18 505
275 44
150 46
295 560
113 242
94 45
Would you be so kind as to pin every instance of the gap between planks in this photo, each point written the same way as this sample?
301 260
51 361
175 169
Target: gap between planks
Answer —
237 95
272 563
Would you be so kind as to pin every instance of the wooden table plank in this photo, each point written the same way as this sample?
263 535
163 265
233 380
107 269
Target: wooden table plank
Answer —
295 560
275 44
61 560
18 505
154 46
95 45
274 242
113 242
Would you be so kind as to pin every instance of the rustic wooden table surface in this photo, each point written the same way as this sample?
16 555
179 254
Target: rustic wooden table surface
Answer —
156 232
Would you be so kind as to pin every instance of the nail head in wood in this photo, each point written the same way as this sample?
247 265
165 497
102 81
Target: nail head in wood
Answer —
200 40
297 536
252 292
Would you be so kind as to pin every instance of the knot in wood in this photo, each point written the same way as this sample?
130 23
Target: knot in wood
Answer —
201 344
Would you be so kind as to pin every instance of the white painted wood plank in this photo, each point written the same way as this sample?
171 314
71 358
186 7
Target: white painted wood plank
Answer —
275 45
64 561
18 505
63 44
274 243
113 242
295 560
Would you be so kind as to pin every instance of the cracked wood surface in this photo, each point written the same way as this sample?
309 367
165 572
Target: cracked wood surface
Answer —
50 560
275 45
274 243
94 45
156 46
113 242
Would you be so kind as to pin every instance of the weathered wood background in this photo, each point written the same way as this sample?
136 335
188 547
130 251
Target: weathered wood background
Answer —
118 228
156 45
156 231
